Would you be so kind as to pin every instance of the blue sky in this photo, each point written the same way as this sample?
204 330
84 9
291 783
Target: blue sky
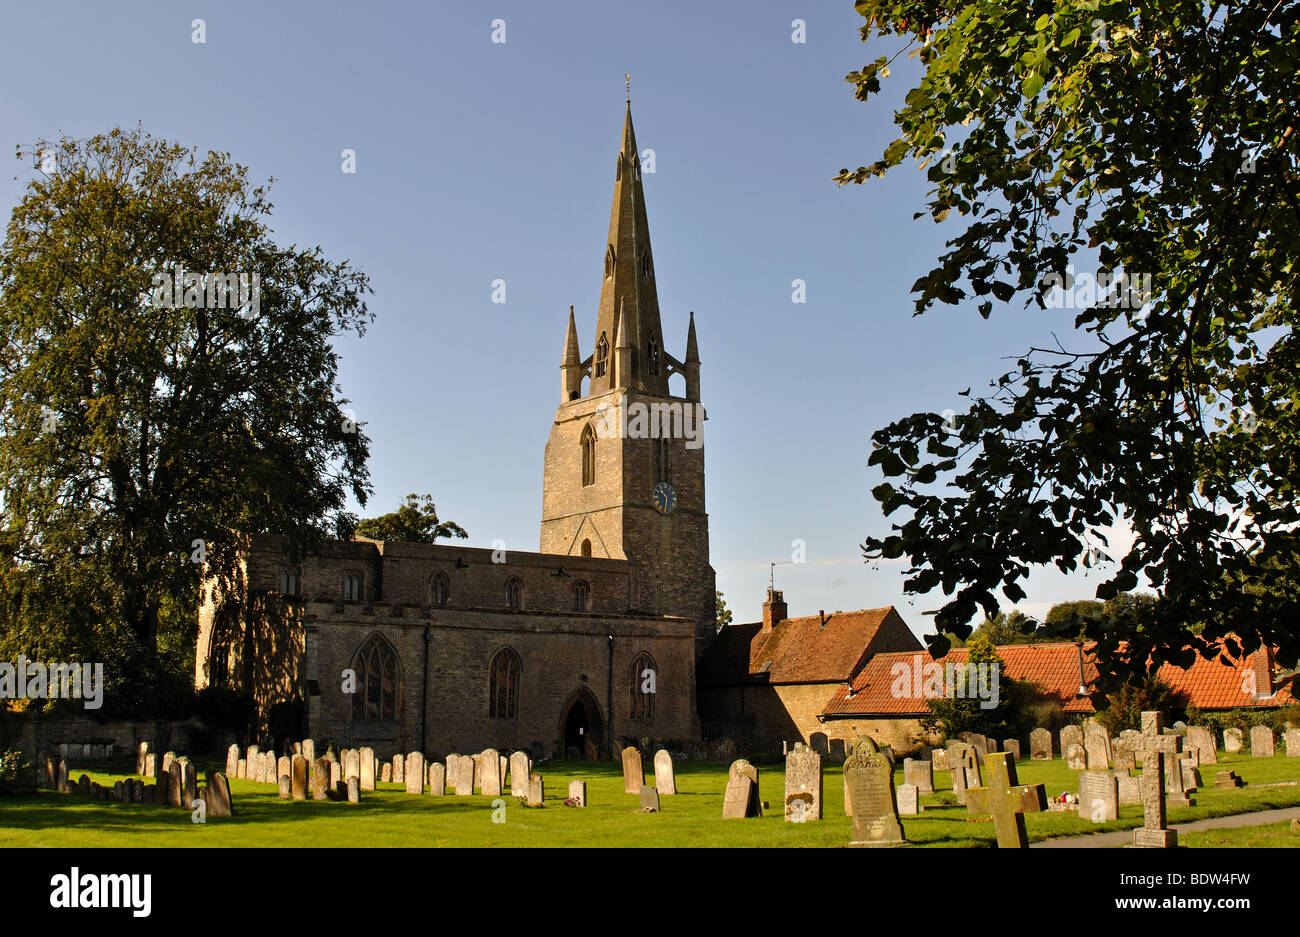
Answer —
478 160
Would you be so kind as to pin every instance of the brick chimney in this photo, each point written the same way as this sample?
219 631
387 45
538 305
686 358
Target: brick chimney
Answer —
774 610
1262 661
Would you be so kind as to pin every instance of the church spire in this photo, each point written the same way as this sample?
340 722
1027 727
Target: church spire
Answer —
628 288
571 364
691 366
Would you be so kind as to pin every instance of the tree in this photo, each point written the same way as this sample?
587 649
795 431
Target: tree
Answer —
1123 708
416 521
1007 628
1010 718
1160 135
724 613
153 412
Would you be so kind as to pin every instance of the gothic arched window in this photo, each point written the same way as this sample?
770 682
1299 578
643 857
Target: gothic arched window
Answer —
652 356
514 593
586 548
438 590
581 596
643 677
663 469
609 261
503 685
378 695
602 355
588 456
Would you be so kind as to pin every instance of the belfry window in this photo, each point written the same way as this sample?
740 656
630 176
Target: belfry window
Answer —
602 355
581 596
588 456
379 684
503 685
514 594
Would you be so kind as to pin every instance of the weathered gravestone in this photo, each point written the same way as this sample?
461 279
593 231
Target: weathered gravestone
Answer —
908 800
189 782
1070 735
633 773
578 793
151 765
920 774
437 779
1006 801
520 768
665 776
241 769
1130 788
385 773
803 784
939 759
1261 742
366 766
351 764
536 791
1153 834
1227 779
414 774
286 786
741 797
283 767
460 770
1012 748
250 757
354 789
1175 790
1076 759
308 750
175 786
218 795
490 772
1203 739
1096 746
871 792
649 800
1232 741
298 779
141 751
1292 739
320 779
1098 796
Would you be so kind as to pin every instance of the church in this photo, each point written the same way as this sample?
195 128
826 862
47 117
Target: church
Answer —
439 648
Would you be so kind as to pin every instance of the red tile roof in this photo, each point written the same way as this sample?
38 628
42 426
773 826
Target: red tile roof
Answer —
1207 684
796 650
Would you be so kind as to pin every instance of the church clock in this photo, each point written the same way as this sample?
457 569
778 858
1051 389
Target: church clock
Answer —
664 498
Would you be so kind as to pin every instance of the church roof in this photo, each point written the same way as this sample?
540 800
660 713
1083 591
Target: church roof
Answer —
796 650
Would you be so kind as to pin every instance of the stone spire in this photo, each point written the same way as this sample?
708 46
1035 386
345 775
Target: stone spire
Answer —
571 364
628 288
691 366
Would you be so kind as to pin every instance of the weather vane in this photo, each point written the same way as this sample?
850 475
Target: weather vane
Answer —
627 76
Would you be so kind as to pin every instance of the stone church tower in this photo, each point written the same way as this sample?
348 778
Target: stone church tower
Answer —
624 470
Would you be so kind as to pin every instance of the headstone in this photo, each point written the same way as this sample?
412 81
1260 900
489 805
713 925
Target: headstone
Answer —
1261 742
309 750
460 770
908 802
399 769
386 773
218 799
1191 776
536 791
520 769
168 758
1153 833
366 765
740 799
1096 745
819 743
871 791
286 786
1292 739
1232 741
578 792
1130 789
1071 735
189 781
151 765
283 767
665 776
437 779
633 773
1227 779
1203 738
336 773
836 750
320 779
175 786
1006 801
490 771
1098 796
251 758
351 760
920 774
298 782
803 784
1076 758
939 759
241 769
1124 759
354 789
414 773
1012 748
649 800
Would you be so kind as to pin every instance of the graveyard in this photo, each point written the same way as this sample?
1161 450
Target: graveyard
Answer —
394 815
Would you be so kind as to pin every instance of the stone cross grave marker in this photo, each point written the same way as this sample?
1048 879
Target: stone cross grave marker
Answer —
1153 834
871 791
803 784
1006 801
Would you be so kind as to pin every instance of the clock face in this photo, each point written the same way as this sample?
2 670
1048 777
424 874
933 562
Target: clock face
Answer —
664 498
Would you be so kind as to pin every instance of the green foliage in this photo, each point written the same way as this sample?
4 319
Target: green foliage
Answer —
16 775
139 440
1008 628
1123 708
1243 719
724 613
1152 138
416 521
1011 718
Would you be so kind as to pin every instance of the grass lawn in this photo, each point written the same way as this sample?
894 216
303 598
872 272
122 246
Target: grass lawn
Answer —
390 817
1272 836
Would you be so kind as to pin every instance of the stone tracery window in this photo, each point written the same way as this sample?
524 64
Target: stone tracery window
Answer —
438 590
643 677
514 593
379 683
503 685
588 456
602 355
581 596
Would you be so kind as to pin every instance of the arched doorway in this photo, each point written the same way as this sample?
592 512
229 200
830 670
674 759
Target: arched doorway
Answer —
580 726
